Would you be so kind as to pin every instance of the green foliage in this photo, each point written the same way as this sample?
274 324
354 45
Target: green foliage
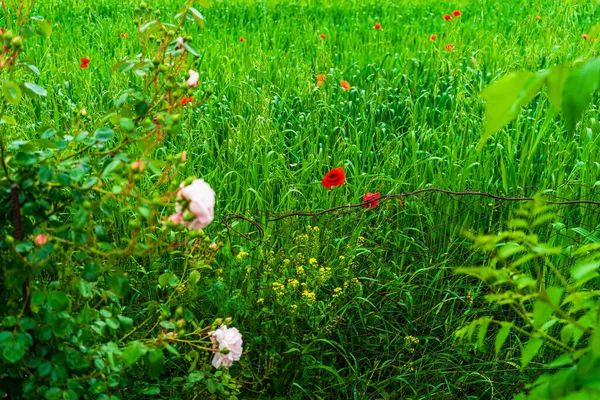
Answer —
569 88
550 307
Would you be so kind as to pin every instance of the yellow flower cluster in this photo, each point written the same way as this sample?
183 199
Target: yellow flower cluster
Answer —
300 270
310 296
279 288
242 254
412 339
312 261
260 301
293 283
337 292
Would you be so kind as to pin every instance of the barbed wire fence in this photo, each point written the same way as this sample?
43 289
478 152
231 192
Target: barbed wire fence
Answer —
417 238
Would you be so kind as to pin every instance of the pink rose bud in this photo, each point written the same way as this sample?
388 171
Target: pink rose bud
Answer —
193 79
137 166
40 240
175 218
172 335
179 42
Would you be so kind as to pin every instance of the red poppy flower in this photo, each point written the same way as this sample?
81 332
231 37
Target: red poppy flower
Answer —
320 79
322 36
84 62
345 85
433 37
585 36
186 100
242 39
456 13
370 200
377 25
335 177
448 47
447 17
538 17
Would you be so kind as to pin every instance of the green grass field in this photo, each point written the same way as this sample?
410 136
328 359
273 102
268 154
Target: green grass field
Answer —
412 119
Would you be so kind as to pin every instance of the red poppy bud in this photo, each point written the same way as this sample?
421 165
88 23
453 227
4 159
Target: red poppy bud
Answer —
370 200
242 39
322 36
377 25
335 177
433 37
447 17
448 47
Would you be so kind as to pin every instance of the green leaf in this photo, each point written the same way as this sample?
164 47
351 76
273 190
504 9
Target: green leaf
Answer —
585 270
156 363
531 349
556 84
9 321
14 352
543 307
198 18
45 174
501 337
12 92
506 96
119 284
150 390
45 26
35 88
91 271
53 394
26 159
80 218
104 134
191 50
195 376
7 119
194 277
596 341
27 323
127 124
59 301
578 88
482 332
133 352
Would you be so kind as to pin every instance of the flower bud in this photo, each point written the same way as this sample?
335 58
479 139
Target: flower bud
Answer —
137 166
143 5
40 240
9 239
17 42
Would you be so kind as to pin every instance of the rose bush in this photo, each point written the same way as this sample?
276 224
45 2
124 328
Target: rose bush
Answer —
98 285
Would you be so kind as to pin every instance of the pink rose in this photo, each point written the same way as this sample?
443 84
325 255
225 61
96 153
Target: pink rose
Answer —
40 240
193 79
227 344
201 204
